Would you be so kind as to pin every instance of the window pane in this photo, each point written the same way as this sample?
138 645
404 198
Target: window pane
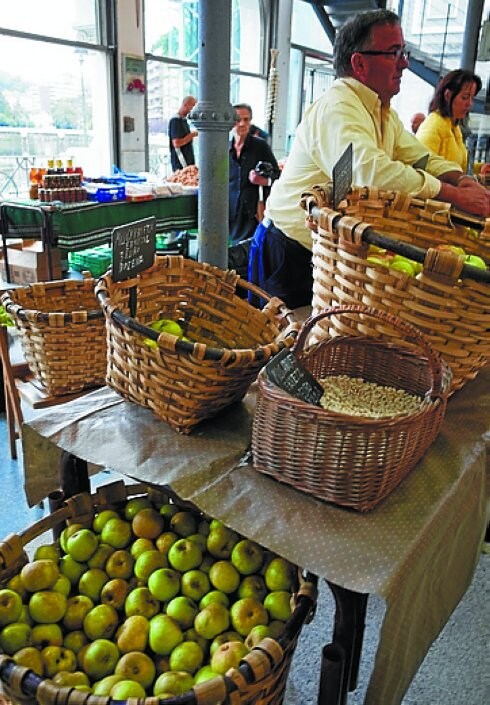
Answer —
246 37
246 89
54 106
171 28
65 19
306 29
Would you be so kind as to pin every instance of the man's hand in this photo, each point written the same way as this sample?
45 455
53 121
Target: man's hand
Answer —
469 196
257 180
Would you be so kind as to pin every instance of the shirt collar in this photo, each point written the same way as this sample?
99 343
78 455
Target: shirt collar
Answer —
369 97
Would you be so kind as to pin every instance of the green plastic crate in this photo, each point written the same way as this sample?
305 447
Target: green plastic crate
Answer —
96 260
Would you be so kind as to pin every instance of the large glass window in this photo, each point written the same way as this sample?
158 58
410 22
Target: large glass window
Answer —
54 95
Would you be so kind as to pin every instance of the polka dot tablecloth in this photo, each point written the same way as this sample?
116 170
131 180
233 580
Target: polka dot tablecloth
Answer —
417 549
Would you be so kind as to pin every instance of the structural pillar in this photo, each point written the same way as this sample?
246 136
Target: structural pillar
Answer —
474 13
282 42
213 116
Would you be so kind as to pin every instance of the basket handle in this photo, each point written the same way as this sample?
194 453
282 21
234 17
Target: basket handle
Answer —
411 333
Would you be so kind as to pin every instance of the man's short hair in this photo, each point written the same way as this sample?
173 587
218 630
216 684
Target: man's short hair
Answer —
243 106
355 35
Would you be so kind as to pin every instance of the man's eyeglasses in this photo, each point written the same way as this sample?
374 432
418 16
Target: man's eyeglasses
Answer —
395 54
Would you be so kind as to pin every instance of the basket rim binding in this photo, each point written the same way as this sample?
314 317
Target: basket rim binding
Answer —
256 666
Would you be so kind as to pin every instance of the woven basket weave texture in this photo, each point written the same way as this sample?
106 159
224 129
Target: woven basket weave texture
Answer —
453 313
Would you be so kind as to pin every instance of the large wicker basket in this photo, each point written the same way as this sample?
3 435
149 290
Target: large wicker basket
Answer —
185 382
259 680
352 461
62 333
448 304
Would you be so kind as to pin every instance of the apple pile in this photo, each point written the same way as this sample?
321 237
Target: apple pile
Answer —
399 263
146 600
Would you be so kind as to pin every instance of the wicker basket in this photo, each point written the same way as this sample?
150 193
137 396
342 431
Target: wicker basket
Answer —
186 382
259 680
451 309
351 461
62 332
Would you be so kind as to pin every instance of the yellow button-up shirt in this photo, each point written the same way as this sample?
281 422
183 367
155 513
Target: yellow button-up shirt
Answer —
443 137
383 154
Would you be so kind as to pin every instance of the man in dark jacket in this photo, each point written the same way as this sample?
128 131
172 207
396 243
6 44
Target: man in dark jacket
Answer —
253 167
181 136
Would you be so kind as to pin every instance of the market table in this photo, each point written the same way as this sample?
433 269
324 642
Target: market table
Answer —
78 226
417 550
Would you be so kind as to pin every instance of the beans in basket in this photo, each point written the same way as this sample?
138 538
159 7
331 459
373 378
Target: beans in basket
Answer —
147 599
356 397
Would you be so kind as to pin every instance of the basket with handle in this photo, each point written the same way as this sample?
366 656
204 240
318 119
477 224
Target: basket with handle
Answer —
259 679
351 460
62 333
448 300
184 381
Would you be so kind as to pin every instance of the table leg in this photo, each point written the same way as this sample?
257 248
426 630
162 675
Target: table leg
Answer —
73 475
350 613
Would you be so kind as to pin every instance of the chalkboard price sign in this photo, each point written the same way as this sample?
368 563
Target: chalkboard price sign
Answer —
133 248
287 372
342 176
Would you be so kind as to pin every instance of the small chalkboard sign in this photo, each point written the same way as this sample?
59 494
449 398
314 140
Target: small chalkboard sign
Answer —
133 248
342 176
287 372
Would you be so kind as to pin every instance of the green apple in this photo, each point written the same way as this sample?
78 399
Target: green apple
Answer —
381 260
138 667
147 562
114 593
77 607
101 622
62 585
104 685
71 678
164 584
47 606
15 583
91 583
126 688
139 546
220 540
72 569
135 505
167 511
200 539
31 658
214 596
82 545
252 586
405 267
46 635
101 519
100 556
39 575
67 532
183 523
256 634
191 635
187 656
184 555
120 564
165 540
228 656
183 609
280 574
246 613
165 634
100 658
15 636
278 604
223 638
10 606
475 261
25 616
141 601
224 576
57 658
212 620
205 673
247 557
132 634
117 533
195 584
48 550
147 523
174 682
75 640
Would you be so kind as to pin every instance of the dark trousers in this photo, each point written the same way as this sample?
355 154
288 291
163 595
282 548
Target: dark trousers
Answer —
280 266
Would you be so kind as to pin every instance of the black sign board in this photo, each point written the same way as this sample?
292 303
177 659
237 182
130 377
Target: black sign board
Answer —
133 248
342 176
287 372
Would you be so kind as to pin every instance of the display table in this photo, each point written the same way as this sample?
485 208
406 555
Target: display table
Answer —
417 550
79 226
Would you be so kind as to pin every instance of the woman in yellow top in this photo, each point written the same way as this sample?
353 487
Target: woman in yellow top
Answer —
451 103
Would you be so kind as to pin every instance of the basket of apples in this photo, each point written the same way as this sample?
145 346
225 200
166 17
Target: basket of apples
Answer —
141 596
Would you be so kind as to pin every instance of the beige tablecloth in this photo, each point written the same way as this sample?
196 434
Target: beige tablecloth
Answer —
417 550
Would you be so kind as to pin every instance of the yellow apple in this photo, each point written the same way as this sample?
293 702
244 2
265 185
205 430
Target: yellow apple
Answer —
137 666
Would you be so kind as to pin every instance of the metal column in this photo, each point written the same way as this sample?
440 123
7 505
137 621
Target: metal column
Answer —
213 117
474 14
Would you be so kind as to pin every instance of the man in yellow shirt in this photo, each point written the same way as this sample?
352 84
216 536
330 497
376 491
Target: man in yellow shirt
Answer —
369 59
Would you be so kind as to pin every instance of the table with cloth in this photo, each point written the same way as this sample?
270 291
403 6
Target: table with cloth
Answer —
417 549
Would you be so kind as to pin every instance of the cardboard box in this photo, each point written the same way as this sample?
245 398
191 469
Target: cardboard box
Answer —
29 263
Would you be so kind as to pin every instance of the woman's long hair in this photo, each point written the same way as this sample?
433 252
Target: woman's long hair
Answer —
452 82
